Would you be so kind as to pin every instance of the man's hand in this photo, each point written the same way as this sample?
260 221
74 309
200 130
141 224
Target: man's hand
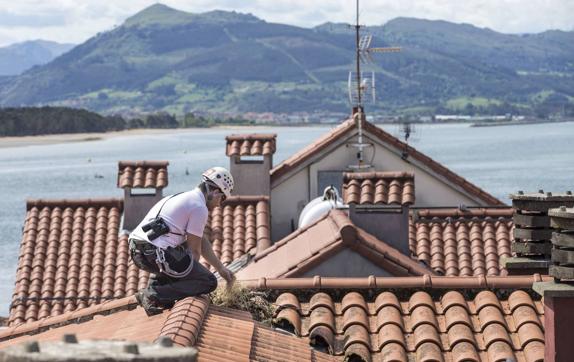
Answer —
227 275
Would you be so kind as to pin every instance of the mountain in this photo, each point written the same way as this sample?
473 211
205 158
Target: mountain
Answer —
16 58
165 59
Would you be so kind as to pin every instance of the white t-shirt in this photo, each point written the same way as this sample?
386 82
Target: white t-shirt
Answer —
183 213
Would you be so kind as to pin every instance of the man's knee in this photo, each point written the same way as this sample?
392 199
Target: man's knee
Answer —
211 283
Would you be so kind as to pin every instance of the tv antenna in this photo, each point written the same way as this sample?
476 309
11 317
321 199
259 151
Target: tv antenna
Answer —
362 86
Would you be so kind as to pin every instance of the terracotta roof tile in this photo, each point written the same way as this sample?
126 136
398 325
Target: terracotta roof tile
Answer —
394 325
239 227
371 324
217 333
379 188
464 243
71 257
256 144
142 174
348 127
310 246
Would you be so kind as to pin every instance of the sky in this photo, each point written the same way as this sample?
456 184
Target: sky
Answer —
73 21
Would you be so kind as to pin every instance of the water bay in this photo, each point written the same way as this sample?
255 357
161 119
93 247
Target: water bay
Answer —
500 160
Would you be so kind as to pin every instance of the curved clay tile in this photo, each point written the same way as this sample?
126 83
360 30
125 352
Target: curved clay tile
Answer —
529 332
353 299
408 192
291 318
389 315
288 300
381 188
268 148
391 334
453 298
500 350
257 148
367 191
355 315
322 316
321 300
420 298
486 298
460 333
490 314
495 332
395 192
423 243
150 178
534 351
465 351
245 148
457 315
428 352
385 299
393 352
357 334
423 314
520 298
324 337
425 333
184 322
437 248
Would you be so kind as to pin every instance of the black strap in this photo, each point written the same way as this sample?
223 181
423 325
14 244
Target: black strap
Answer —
165 202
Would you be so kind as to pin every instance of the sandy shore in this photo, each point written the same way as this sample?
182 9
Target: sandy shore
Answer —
6 142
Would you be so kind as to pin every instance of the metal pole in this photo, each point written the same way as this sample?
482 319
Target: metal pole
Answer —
358 56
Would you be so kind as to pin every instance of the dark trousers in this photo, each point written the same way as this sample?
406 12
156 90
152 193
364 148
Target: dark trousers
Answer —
167 290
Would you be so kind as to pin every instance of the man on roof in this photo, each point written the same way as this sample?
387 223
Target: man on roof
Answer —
169 242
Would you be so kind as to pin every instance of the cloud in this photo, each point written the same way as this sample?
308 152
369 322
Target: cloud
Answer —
76 21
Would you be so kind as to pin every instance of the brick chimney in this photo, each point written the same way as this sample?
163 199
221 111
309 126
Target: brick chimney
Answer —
559 294
531 245
379 203
143 183
250 161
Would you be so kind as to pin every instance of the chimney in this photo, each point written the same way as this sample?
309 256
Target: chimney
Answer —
531 245
559 294
250 161
143 183
379 203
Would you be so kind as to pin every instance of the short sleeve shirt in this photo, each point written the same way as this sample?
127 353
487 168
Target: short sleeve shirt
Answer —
183 213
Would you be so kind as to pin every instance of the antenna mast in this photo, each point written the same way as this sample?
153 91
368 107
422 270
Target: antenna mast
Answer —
358 57
363 86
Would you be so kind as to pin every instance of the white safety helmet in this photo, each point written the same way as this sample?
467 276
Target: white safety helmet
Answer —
222 178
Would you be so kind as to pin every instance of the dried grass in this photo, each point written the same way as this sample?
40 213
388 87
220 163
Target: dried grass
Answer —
237 297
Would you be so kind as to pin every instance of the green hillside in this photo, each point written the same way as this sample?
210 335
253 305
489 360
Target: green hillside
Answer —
165 59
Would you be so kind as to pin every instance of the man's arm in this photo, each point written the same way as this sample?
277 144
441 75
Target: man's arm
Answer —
213 260
209 255
195 245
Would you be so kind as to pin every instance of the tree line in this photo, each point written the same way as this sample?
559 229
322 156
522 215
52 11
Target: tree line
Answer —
31 121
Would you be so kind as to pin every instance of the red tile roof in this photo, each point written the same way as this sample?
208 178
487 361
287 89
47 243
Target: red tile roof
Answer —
255 144
312 245
142 174
398 326
239 227
71 257
372 318
455 242
217 333
348 127
379 188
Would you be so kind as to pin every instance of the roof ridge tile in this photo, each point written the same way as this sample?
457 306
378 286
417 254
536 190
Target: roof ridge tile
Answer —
184 321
